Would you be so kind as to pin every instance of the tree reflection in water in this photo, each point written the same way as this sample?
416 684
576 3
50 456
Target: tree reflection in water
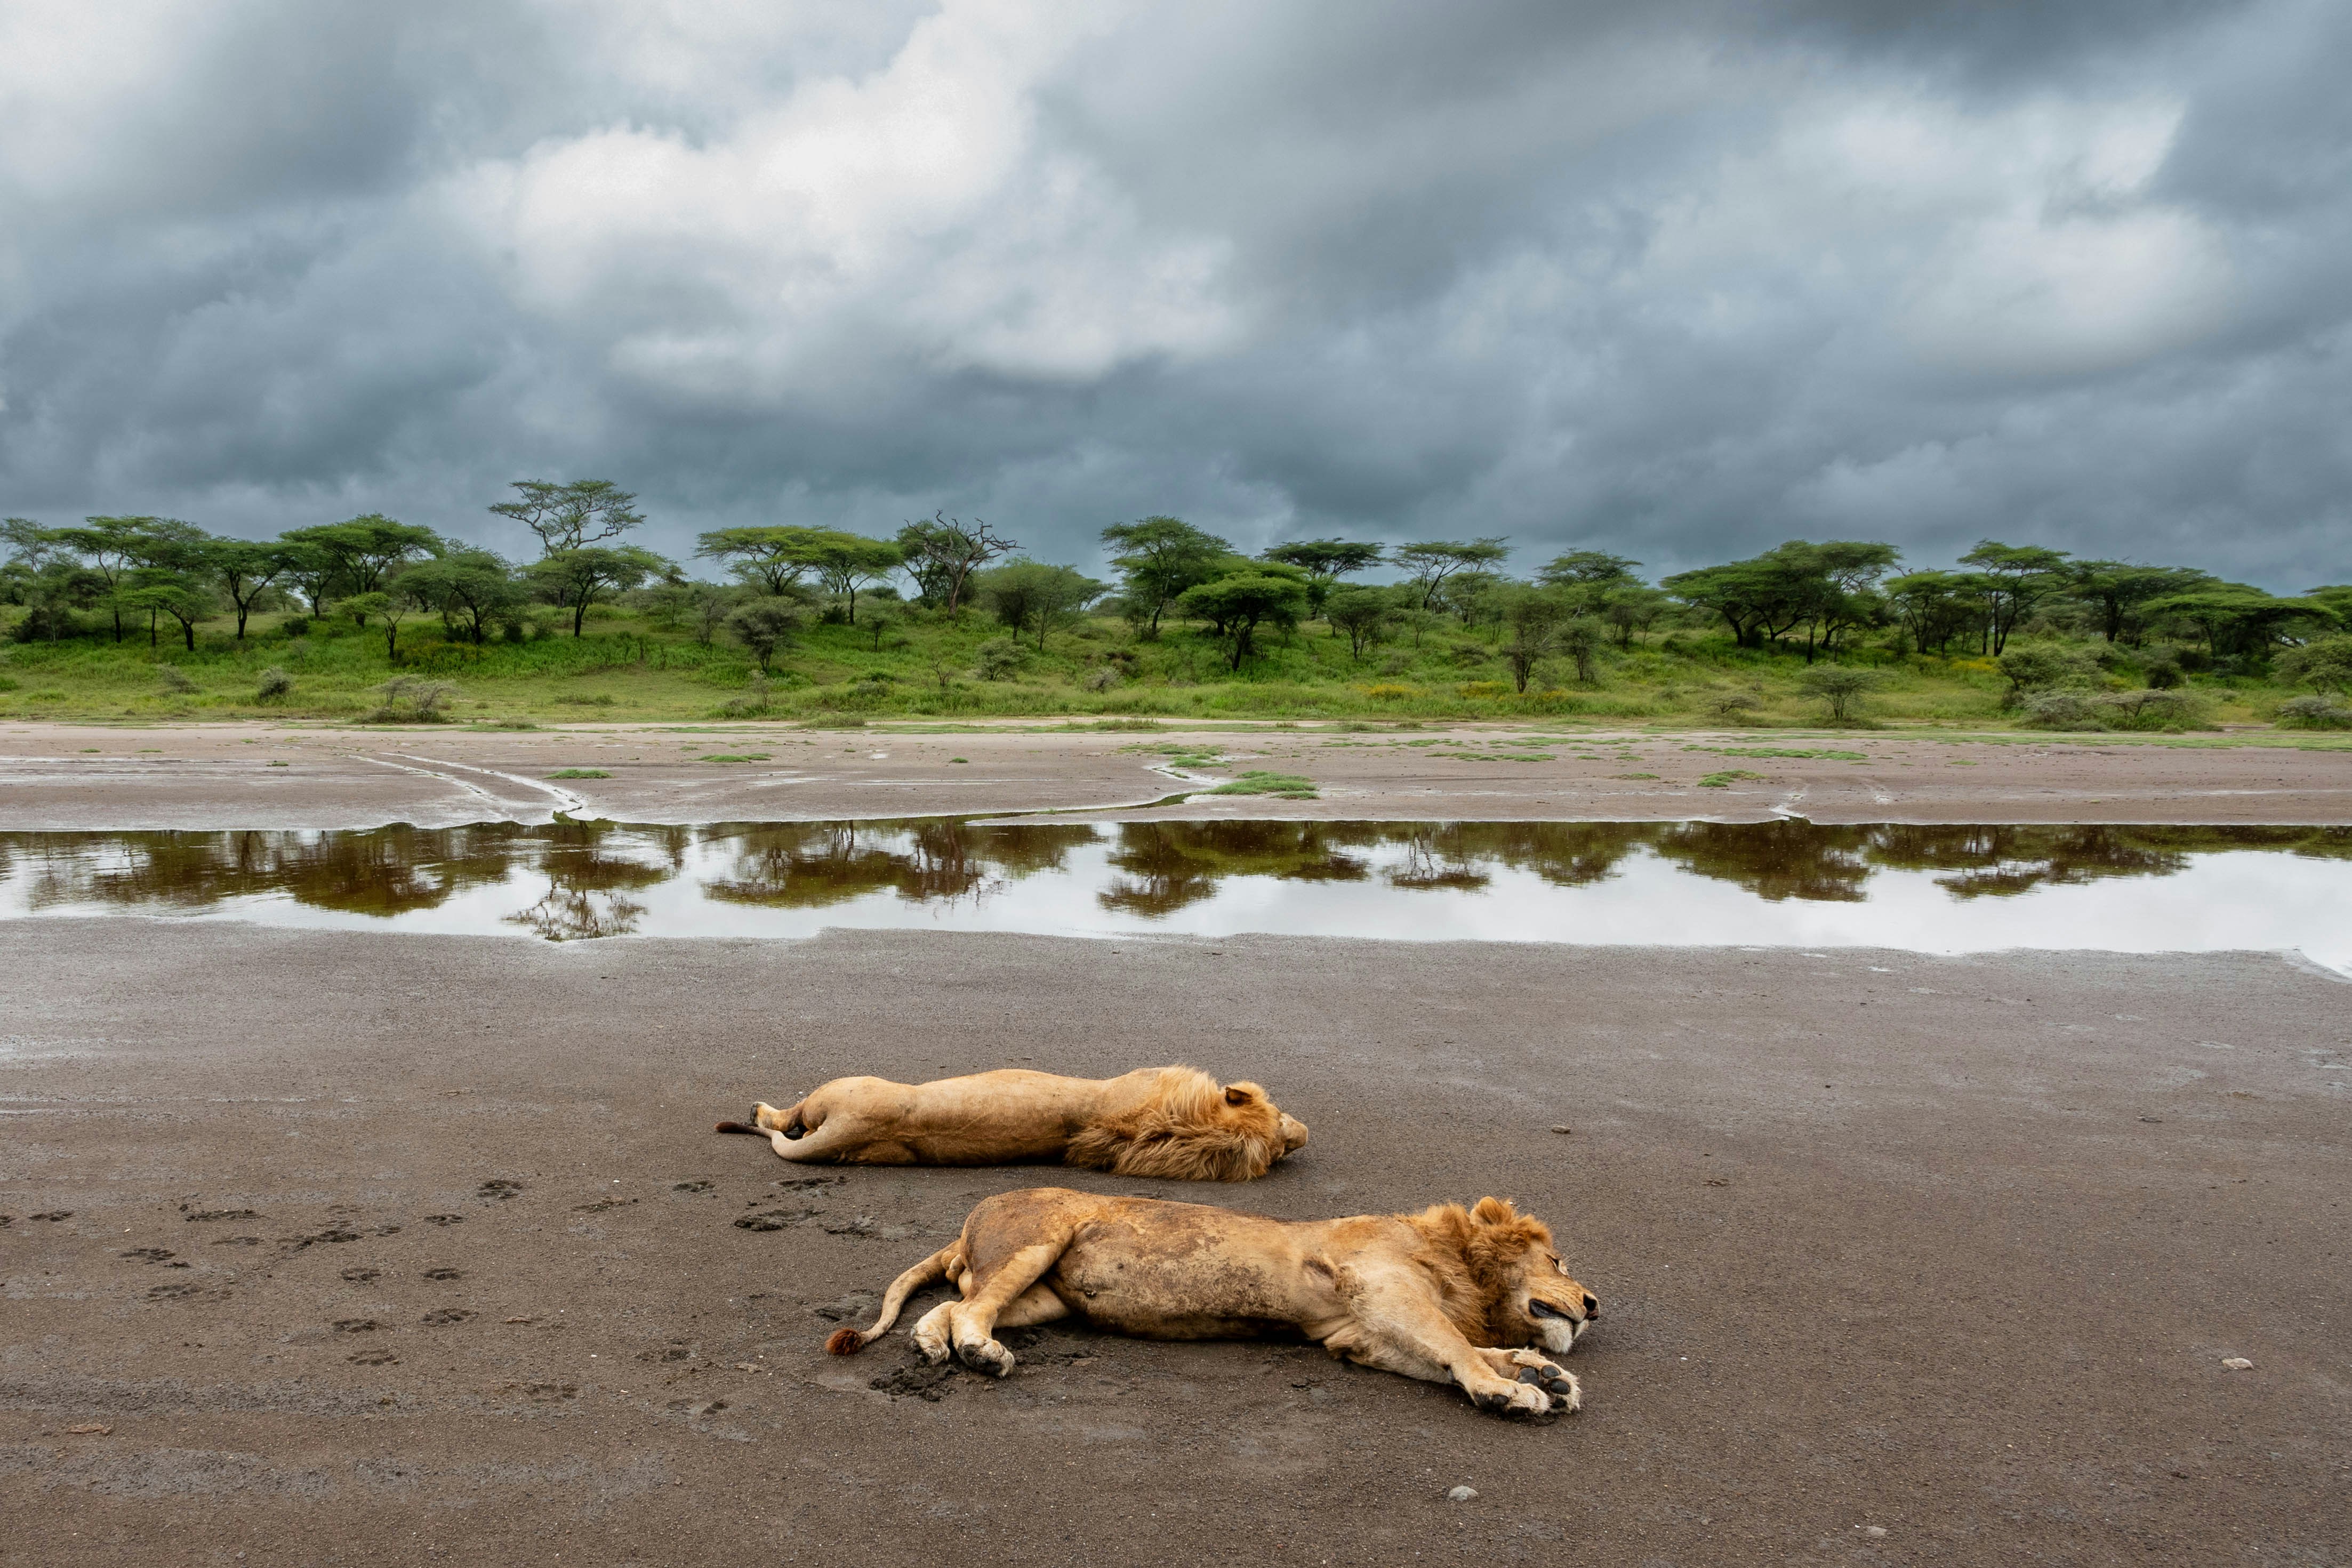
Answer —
1151 870
807 866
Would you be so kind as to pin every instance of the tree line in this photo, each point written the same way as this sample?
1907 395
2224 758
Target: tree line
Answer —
109 574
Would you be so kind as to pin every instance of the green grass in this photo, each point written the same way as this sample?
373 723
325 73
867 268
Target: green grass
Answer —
1259 782
1725 780
925 673
737 757
581 773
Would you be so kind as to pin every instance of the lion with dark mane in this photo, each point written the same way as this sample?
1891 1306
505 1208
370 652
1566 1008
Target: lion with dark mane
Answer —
1173 1121
1474 1297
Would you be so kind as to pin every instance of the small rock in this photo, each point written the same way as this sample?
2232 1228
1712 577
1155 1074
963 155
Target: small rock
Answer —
1875 1532
1462 1494
1563 1129
2237 1364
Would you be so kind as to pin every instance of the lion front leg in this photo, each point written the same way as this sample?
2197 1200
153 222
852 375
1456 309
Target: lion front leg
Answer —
1395 1326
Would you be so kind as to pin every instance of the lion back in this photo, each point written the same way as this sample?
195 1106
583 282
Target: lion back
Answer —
1189 1129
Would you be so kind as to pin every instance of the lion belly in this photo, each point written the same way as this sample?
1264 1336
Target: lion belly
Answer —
1187 1273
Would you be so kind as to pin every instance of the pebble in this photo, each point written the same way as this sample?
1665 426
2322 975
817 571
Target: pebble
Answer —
1874 1531
2237 1364
1462 1494
1563 1129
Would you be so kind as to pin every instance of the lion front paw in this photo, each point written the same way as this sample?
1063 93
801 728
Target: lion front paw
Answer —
1556 1382
931 1335
1524 1401
986 1355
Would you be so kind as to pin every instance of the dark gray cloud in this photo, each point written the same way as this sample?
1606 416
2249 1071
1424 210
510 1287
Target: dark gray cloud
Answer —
1683 279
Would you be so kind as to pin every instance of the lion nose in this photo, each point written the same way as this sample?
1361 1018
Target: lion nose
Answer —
1592 1305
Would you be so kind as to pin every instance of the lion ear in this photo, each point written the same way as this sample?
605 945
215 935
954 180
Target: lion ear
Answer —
1494 1211
1237 1094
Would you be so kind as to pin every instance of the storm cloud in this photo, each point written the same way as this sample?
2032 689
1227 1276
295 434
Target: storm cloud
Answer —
1681 280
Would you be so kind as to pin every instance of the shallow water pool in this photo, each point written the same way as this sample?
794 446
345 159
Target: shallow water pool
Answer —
1945 889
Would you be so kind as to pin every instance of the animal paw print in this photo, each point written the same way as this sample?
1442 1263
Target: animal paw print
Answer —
496 1190
441 1316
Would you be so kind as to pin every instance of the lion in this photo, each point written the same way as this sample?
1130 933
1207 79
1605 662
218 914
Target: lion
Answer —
1473 1296
1173 1121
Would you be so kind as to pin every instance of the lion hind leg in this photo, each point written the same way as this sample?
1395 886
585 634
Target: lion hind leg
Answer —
1033 1306
972 1324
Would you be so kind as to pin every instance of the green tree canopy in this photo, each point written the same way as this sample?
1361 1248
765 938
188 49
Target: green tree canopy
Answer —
2116 589
360 555
575 578
1029 594
1431 562
1325 562
570 516
1158 559
2013 578
1827 589
1268 593
467 587
2237 617
941 555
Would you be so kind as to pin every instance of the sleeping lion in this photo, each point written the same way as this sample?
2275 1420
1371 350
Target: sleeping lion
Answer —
1447 1295
1154 1122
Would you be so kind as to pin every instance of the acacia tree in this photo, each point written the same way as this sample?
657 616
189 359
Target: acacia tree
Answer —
467 587
943 554
114 548
1932 607
765 625
575 578
1238 604
572 515
1534 617
1325 562
773 557
1363 614
362 554
2013 578
1431 562
1159 558
844 562
244 568
1026 593
2118 590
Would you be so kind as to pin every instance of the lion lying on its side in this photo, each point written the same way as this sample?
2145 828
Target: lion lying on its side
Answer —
1154 1122
1445 1295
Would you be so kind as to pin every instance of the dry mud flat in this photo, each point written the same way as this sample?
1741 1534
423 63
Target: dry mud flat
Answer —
329 1248
256 776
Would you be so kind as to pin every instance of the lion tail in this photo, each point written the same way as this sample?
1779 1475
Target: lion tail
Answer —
849 1341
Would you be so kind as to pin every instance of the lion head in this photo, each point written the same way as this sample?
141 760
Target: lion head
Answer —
1513 1287
1192 1128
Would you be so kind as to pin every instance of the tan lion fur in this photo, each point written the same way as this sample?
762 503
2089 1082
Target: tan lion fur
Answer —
1470 1296
1173 1121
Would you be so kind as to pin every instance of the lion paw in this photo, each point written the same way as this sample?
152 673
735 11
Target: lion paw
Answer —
931 1335
986 1355
1556 1382
1524 1400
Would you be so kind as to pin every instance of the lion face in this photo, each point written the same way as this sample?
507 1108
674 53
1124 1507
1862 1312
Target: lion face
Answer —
1294 1134
1556 1310
1250 1110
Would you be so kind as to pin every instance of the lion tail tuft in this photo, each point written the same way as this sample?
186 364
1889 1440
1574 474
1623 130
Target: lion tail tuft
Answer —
740 1127
849 1341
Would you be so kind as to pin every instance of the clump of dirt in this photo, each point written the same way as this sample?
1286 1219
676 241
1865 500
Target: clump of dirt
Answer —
918 1379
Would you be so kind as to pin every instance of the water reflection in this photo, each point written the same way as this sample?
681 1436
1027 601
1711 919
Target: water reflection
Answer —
575 881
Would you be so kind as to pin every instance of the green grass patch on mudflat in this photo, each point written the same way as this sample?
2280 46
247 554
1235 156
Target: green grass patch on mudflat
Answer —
581 773
1725 780
1260 781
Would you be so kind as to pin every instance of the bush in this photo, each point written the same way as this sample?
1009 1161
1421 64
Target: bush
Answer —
2077 710
1841 686
1101 678
2325 663
175 679
2161 665
2318 712
1731 707
2043 667
411 699
275 683
753 701
998 659
295 626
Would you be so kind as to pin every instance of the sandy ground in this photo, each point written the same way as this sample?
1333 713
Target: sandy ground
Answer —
230 775
329 1248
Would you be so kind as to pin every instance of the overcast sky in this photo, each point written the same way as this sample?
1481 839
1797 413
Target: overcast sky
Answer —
1677 279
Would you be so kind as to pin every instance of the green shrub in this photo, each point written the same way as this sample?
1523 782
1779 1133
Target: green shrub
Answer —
274 684
2320 711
